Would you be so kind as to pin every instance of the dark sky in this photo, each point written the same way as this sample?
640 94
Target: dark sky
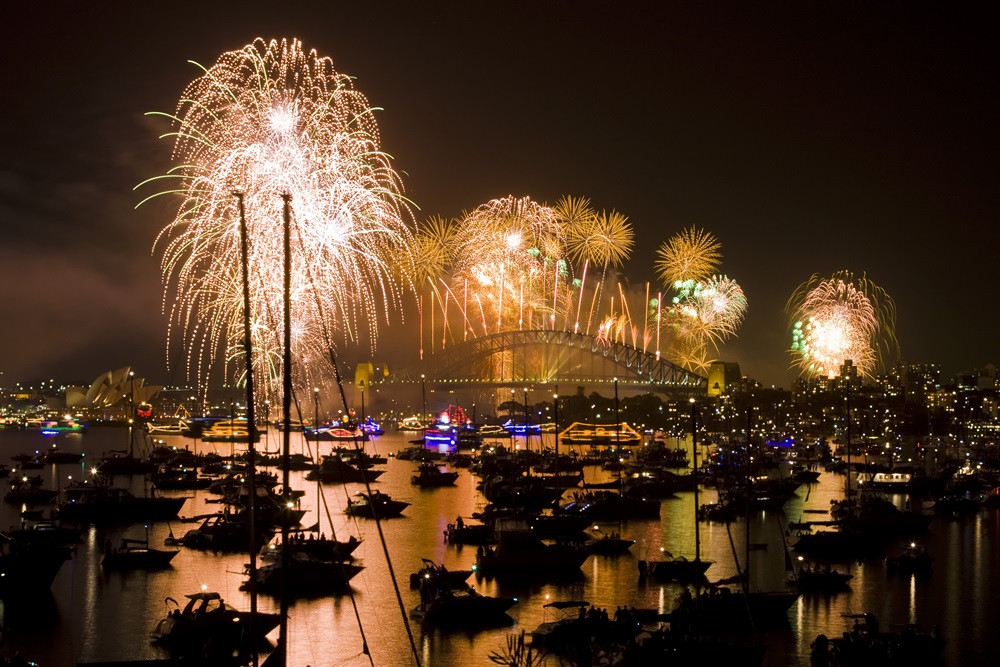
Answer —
808 137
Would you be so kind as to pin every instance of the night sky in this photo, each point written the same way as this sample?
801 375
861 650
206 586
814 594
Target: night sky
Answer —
808 137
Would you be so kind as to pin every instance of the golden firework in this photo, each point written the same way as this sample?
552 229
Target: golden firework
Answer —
692 254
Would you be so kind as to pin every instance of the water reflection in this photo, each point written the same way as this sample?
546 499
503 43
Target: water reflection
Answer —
94 616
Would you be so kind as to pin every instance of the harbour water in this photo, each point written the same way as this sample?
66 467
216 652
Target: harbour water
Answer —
96 616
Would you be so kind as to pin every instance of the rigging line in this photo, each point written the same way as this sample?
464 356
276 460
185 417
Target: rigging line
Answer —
364 477
333 536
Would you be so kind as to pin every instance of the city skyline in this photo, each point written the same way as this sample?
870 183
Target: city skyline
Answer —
807 143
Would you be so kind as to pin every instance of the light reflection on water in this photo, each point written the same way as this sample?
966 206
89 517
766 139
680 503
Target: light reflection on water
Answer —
96 616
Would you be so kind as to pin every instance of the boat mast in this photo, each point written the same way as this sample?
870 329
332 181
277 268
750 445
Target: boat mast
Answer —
286 415
527 435
749 483
555 416
251 428
850 504
694 471
618 438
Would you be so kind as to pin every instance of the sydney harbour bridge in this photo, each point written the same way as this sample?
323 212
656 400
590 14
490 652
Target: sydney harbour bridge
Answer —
522 357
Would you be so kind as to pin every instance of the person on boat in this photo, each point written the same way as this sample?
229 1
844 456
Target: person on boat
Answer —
459 523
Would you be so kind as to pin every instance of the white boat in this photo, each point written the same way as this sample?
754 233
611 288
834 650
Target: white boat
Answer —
412 424
885 481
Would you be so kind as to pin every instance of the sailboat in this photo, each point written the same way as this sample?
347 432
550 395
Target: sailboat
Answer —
669 567
718 606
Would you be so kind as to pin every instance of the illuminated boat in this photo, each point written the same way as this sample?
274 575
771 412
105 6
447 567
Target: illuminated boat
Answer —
371 427
328 433
583 433
493 431
412 424
65 425
441 437
228 430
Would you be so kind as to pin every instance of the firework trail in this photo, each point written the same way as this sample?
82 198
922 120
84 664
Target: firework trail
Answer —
841 318
508 258
267 119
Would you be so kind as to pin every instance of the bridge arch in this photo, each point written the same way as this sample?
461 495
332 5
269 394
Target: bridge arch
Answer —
543 356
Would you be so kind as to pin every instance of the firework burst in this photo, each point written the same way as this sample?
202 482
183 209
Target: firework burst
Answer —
692 254
508 262
841 318
271 119
431 252
604 239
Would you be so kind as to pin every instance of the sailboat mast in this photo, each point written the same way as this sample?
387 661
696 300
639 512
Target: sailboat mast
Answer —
286 415
251 426
618 439
749 483
694 471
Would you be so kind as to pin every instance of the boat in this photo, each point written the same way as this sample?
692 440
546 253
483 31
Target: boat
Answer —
229 430
377 504
610 506
28 491
476 534
120 462
170 427
67 424
29 461
460 607
179 478
430 475
913 559
293 424
307 576
321 548
28 567
584 627
334 470
227 532
673 568
608 544
335 433
208 629
719 607
520 552
371 427
892 482
866 644
956 505
441 576
583 433
493 431
412 424
419 453
104 504
441 436
56 455
137 555
814 579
